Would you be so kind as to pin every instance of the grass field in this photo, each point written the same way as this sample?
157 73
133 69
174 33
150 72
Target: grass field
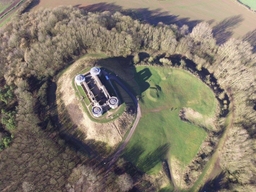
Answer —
160 133
229 16
249 3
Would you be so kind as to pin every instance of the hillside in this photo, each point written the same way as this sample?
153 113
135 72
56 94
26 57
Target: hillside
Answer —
38 132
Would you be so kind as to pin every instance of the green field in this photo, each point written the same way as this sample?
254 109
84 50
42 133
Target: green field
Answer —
249 3
160 133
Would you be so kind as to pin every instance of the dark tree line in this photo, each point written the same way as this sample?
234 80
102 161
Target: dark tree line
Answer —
40 44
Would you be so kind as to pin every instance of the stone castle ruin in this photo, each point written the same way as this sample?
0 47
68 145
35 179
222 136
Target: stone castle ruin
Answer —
96 91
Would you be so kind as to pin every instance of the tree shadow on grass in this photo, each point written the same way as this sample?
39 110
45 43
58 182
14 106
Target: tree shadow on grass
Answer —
122 69
251 38
215 184
152 17
142 76
125 69
147 162
153 158
223 30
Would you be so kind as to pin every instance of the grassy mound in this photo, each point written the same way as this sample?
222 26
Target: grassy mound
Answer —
160 133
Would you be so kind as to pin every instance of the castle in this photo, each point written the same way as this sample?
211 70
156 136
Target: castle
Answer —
96 91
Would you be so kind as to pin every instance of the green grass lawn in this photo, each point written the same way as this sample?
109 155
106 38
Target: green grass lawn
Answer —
160 132
249 3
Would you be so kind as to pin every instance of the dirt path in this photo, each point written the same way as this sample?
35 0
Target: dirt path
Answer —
120 149
118 152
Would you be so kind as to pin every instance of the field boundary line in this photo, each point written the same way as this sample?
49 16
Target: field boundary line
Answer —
14 7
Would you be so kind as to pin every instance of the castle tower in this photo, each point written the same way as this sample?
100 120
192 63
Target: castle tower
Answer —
97 111
113 102
79 79
95 71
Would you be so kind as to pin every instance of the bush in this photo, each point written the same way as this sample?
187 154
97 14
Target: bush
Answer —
5 142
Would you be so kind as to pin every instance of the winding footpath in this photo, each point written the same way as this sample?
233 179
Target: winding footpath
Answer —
120 149
118 152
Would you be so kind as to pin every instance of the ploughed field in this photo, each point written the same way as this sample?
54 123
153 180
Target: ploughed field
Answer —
161 134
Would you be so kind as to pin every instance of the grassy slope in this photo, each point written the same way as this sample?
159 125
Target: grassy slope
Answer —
249 3
160 125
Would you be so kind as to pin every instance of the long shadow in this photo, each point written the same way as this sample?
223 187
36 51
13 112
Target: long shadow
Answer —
32 5
215 184
224 29
142 77
78 145
150 160
152 17
122 69
133 154
126 73
155 157
251 38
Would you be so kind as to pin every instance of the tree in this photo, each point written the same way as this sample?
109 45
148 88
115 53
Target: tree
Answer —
136 58
125 182
202 32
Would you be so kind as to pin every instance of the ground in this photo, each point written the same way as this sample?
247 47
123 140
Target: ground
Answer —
229 17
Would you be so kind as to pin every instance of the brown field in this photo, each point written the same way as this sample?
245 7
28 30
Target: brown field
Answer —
228 17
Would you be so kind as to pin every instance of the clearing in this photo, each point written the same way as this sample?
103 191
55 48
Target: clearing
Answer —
160 133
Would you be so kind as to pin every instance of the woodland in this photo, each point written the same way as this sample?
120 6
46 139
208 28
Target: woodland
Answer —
36 46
